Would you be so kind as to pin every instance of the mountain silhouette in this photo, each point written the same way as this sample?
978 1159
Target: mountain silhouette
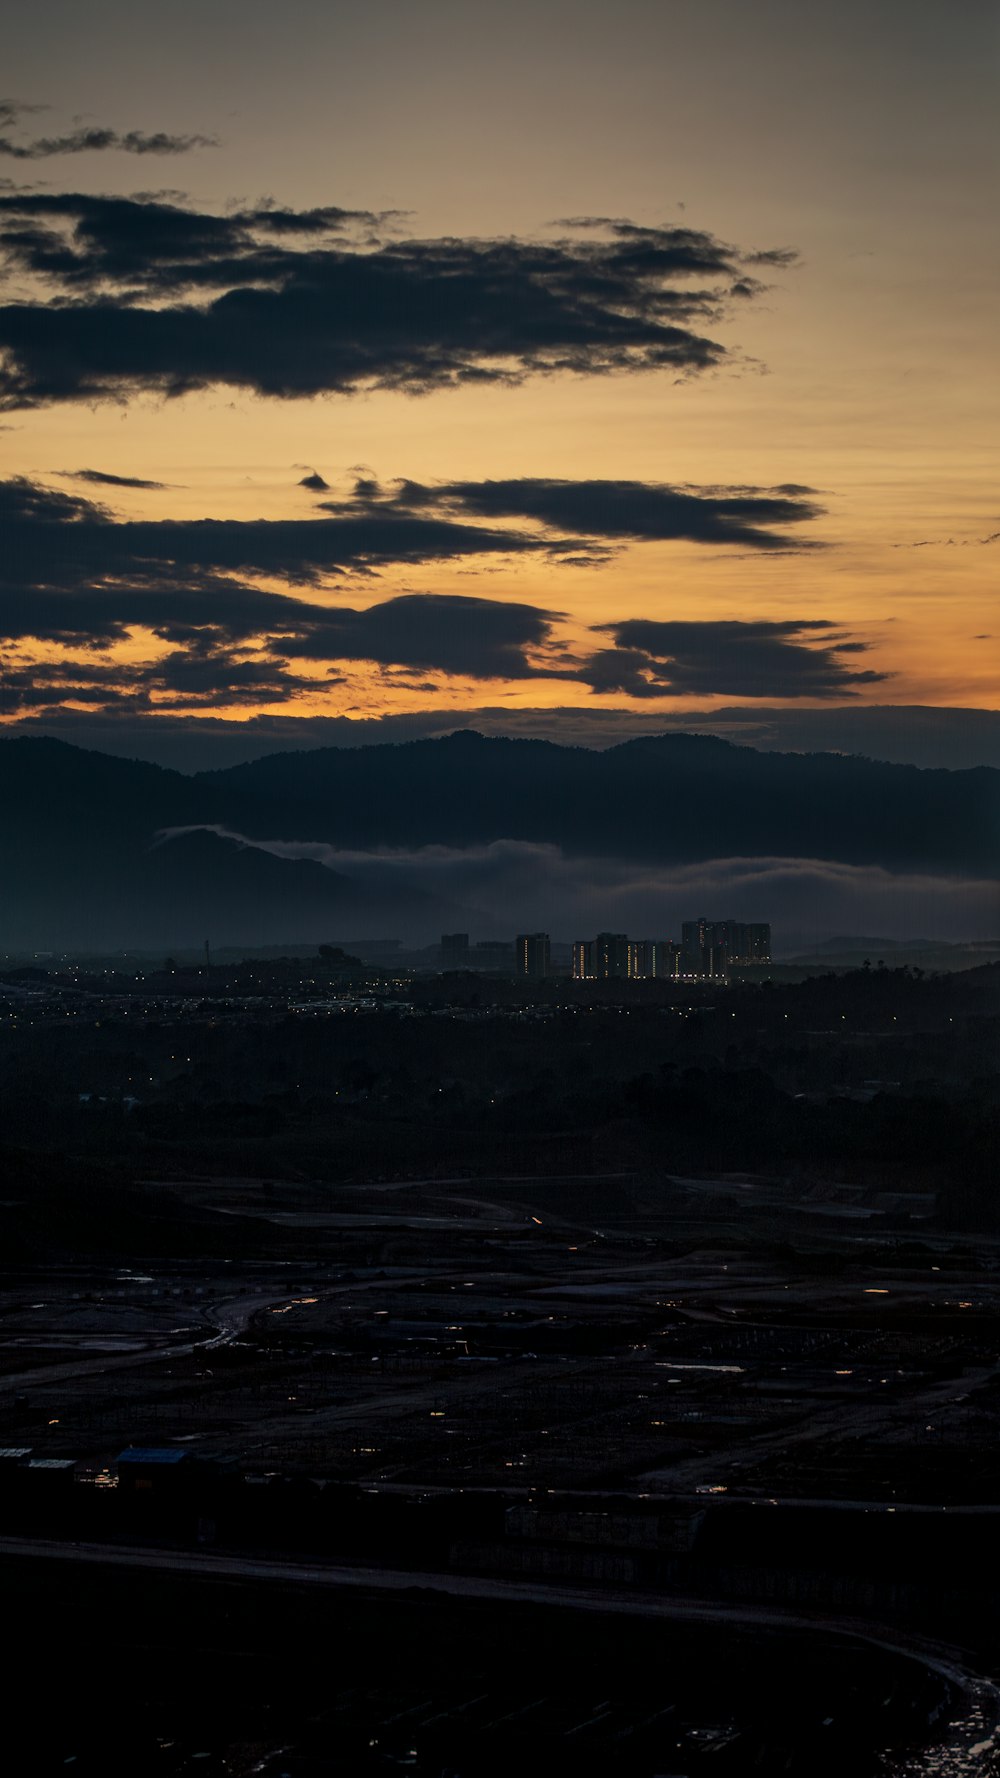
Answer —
670 798
86 863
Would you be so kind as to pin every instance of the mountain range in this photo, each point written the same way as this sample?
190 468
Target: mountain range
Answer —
103 852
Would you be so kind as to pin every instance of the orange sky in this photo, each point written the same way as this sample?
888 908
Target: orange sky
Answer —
857 136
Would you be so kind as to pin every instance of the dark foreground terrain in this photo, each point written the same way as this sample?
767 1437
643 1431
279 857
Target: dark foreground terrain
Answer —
582 1384
169 1675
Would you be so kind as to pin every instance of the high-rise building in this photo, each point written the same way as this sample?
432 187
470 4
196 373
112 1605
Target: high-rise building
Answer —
454 950
610 956
743 941
583 960
666 959
531 954
757 944
693 945
641 958
711 947
653 958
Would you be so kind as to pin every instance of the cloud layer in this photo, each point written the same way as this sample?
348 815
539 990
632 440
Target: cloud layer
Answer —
144 294
74 575
515 884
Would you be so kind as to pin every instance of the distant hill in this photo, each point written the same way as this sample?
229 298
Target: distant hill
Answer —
83 867
894 953
673 798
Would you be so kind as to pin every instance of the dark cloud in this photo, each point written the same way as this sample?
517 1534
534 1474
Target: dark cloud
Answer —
794 658
70 570
625 510
313 549
223 611
91 139
417 632
141 293
72 573
183 680
82 242
221 676
95 140
467 637
315 482
101 478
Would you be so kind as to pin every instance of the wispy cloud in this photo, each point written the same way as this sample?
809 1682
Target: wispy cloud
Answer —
519 883
89 139
101 478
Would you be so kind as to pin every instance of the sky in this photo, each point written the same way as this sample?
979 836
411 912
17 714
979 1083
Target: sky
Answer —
560 369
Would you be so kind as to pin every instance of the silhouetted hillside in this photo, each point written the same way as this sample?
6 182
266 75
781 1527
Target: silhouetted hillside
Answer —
86 864
83 867
675 797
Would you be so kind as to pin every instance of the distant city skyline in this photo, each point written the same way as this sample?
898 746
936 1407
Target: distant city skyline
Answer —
706 949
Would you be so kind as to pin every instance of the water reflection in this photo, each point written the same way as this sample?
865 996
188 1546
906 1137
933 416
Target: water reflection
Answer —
970 1745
